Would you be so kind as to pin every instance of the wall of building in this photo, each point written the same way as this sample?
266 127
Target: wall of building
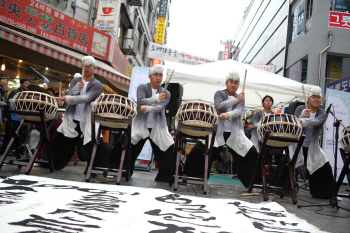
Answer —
262 37
307 46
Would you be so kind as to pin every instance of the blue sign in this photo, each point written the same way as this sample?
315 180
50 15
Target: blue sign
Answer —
341 84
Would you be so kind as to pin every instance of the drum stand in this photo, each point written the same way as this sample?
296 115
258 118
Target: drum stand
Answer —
125 153
43 139
291 164
178 140
345 171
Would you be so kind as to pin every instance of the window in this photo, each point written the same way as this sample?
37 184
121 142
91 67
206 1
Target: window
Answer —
137 38
342 5
300 18
304 71
309 9
122 31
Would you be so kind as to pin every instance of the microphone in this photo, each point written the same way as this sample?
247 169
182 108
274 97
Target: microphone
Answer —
37 74
328 109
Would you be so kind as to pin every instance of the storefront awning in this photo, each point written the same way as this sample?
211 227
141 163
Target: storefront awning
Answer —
62 54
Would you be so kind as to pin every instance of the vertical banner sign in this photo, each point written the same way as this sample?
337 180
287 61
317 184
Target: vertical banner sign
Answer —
36 18
106 15
227 53
339 20
341 102
160 30
163 5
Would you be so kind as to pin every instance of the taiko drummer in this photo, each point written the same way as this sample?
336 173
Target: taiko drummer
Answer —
77 119
229 106
150 123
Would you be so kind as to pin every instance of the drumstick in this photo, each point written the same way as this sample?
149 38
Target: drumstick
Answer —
169 81
245 76
82 73
250 194
304 97
262 105
136 102
59 89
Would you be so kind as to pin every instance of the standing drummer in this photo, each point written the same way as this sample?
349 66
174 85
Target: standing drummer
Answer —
150 123
229 106
77 118
318 167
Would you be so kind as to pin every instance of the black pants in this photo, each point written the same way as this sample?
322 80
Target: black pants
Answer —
321 181
19 140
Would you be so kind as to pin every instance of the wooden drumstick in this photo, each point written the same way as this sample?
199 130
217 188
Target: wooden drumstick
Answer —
245 76
136 102
169 81
250 194
59 89
304 97
82 73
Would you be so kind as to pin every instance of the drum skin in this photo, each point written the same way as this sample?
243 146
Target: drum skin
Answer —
31 101
114 106
345 140
280 125
196 114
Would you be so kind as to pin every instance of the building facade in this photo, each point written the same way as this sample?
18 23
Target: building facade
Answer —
305 40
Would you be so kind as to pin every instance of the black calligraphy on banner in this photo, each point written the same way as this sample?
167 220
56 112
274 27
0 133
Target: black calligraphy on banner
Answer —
183 211
60 28
261 218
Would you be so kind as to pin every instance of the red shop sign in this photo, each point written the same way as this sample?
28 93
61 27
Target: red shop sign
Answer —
39 19
338 19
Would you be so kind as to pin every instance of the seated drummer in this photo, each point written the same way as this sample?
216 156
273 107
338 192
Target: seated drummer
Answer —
77 118
229 106
267 103
150 123
319 170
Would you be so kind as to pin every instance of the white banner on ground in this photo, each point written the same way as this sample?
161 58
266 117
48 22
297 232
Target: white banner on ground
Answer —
162 52
140 76
341 103
37 204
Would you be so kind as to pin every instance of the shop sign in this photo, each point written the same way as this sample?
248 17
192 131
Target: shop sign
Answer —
128 70
106 15
162 52
339 19
37 18
227 53
335 70
163 4
156 62
270 69
341 84
160 30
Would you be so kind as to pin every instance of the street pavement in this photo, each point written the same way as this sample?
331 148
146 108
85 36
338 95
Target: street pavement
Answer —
325 218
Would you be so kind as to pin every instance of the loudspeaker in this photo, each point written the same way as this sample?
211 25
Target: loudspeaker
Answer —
176 91
293 106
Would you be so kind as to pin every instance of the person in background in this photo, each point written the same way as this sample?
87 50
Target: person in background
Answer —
3 101
51 91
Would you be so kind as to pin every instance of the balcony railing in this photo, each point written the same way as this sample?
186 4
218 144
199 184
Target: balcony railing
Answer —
135 2
128 46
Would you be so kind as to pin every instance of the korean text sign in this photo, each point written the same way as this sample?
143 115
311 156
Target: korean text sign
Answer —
340 85
160 30
106 15
339 19
39 19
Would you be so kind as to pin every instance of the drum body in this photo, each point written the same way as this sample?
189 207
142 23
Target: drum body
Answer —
196 114
280 125
31 101
345 140
114 106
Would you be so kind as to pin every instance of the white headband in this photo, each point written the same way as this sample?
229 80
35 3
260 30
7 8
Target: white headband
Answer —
234 76
157 69
89 61
315 91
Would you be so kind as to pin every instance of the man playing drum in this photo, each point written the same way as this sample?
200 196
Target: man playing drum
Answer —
150 123
77 118
319 169
229 106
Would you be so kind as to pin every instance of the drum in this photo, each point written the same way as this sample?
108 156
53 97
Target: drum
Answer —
31 101
280 125
345 140
197 114
114 106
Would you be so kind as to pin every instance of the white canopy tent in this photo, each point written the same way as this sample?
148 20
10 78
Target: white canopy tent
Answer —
200 82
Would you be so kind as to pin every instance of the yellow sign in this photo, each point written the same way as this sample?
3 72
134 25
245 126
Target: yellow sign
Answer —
335 71
160 30
128 70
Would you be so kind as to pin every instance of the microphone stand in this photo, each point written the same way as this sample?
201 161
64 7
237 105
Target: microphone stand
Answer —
333 201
